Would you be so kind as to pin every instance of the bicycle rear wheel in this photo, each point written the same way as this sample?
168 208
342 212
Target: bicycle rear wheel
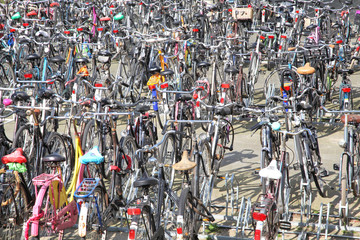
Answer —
186 215
344 188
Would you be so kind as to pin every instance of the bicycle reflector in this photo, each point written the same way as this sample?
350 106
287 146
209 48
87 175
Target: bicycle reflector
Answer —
164 85
132 234
346 90
133 211
79 29
259 216
179 230
98 85
25 24
28 75
257 234
100 29
339 41
195 30
67 32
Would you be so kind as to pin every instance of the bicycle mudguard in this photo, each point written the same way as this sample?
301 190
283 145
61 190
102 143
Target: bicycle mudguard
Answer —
67 216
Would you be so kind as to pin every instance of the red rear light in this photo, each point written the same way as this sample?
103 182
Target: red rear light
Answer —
164 85
198 103
73 91
339 42
32 13
115 31
195 96
179 230
249 6
98 85
347 90
112 6
25 24
225 85
297 11
12 30
357 49
132 234
283 36
195 30
80 29
262 37
134 211
280 47
67 32
259 216
287 88
54 4
27 75
222 100
271 37
100 29
230 10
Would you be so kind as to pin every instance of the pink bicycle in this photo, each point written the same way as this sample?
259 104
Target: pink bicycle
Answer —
52 213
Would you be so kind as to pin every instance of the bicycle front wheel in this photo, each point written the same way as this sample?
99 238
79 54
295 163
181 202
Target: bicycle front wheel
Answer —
344 188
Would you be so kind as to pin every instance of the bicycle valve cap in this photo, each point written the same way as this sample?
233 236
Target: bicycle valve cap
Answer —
7 102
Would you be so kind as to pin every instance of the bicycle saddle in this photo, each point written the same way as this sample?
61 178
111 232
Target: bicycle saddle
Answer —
306 70
154 68
336 25
92 156
185 164
351 118
104 53
223 111
15 157
57 59
145 182
167 72
32 13
46 93
32 57
84 18
232 70
104 19
81 60
53 158
184 97
270 171
20 96
203 64
24 41
131 3
265 29
142 108
157 18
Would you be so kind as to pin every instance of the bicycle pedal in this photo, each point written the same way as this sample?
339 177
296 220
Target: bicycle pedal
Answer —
257 170
336 167
324 173
296 166
284 225
221 177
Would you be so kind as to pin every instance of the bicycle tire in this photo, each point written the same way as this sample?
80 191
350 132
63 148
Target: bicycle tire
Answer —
344 187
355 185
92 219
128 149
24 139
188 215
145 224
14 212
56 144
168 157
90 138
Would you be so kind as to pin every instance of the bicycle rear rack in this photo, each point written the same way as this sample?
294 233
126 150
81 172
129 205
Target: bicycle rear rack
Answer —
86 188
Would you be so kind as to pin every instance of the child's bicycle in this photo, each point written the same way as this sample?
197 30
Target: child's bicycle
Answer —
52 213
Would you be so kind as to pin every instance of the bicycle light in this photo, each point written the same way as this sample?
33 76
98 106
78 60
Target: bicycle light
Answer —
259 216
133 211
